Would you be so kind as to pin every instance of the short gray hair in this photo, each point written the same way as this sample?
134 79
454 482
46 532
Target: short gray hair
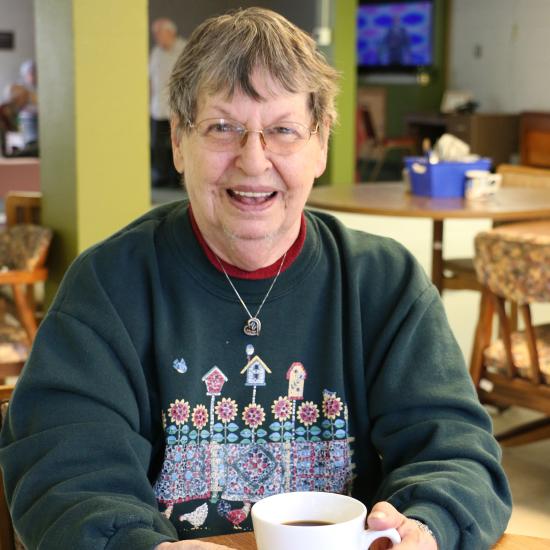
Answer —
164 23
224 51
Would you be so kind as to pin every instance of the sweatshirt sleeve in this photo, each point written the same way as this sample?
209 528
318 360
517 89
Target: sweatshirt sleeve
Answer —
80 437
441 463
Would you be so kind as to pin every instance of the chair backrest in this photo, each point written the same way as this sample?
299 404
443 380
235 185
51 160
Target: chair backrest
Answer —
23 207
372 100
6 528
514 175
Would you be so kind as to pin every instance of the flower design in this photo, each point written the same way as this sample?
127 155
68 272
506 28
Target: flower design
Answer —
332 406
253 415
308 413
282 408
226 409
199 417
179 412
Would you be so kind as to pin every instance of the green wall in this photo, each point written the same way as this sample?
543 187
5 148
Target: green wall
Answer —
94 128
341 165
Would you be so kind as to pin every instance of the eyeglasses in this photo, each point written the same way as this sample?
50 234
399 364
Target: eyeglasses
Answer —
223 135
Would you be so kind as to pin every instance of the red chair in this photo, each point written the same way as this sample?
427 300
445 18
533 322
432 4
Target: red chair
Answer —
371 146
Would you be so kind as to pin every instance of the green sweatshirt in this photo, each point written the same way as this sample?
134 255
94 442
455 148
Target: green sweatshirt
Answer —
146 414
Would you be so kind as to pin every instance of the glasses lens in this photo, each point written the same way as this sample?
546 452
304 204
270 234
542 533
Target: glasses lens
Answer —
286 137
220 134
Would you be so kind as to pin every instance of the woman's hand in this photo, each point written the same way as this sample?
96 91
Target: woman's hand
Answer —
190 545
384 516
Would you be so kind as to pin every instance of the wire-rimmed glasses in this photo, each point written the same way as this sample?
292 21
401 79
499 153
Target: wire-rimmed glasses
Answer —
222 135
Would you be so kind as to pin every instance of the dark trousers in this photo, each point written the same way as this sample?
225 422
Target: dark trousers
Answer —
163 173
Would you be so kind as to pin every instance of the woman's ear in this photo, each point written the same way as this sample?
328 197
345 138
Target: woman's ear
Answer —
175 137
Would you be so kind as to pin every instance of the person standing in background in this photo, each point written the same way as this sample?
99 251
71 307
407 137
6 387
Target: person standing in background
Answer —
163 57
28 115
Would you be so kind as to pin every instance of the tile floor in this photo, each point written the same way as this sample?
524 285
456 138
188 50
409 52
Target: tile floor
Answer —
528 467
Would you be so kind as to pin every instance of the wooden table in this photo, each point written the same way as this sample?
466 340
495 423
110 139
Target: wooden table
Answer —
245 541
391 199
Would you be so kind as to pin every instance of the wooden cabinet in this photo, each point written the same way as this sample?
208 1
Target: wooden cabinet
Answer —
489 135
535 139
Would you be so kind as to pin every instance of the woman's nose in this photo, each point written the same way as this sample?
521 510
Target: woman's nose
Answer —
251 157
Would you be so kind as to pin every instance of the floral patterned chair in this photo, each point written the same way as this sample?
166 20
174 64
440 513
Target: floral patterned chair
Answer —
512 263
23 252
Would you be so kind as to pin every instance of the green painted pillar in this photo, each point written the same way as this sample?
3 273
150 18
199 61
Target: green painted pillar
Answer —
94 134
341 167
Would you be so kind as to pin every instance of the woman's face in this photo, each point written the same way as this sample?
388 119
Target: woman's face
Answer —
250 198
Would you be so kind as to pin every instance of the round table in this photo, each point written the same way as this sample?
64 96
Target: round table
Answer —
392 199
245 541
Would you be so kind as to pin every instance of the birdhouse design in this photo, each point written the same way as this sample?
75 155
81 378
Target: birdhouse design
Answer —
214 380
296 375
255 372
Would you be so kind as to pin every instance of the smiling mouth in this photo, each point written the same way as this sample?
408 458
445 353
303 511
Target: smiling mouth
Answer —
251 197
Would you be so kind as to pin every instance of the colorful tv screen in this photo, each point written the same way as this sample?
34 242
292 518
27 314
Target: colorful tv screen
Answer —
394 35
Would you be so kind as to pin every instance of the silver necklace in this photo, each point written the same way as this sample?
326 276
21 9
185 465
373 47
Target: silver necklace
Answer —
253 326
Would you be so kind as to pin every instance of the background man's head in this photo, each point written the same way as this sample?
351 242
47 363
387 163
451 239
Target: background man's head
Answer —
164 32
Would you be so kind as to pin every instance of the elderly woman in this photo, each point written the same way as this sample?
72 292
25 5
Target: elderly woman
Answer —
234 346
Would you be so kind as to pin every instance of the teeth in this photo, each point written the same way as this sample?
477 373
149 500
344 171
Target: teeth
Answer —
252 194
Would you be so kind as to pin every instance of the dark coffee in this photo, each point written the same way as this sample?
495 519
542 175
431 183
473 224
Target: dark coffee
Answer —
307 523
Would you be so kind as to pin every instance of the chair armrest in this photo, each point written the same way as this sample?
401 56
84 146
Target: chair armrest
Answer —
15 277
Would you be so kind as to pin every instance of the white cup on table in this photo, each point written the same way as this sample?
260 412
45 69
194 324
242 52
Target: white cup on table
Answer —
481 184
314 520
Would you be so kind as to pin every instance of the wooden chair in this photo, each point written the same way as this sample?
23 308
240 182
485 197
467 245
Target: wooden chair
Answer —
512 264
7 538
514 175
372 142
23 207
23 251
459 273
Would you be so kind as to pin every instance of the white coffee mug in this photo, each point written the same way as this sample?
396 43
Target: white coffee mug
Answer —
314 520
481 184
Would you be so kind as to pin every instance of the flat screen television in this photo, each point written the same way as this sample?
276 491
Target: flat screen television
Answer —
394 35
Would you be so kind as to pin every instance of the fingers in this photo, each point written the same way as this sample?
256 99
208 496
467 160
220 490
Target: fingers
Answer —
383 516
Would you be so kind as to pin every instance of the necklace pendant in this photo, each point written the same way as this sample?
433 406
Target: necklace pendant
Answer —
252 327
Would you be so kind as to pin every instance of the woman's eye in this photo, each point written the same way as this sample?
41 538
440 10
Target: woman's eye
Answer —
221 128
283 130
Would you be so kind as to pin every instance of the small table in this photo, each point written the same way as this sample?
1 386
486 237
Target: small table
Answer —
245 541
392 199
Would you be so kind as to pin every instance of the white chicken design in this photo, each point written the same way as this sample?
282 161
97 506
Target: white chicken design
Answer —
197 517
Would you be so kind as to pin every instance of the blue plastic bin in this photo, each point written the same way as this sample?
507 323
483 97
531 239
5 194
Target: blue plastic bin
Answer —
443 179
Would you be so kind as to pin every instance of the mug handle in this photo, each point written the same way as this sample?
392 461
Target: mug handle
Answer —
370 535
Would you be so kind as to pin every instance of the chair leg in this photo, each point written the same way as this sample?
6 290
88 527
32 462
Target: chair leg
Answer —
28 320
527 433
482 336
377 167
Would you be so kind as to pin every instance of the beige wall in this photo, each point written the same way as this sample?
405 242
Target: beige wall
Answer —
499 51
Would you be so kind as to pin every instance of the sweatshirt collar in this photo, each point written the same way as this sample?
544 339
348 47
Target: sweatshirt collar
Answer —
262 273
